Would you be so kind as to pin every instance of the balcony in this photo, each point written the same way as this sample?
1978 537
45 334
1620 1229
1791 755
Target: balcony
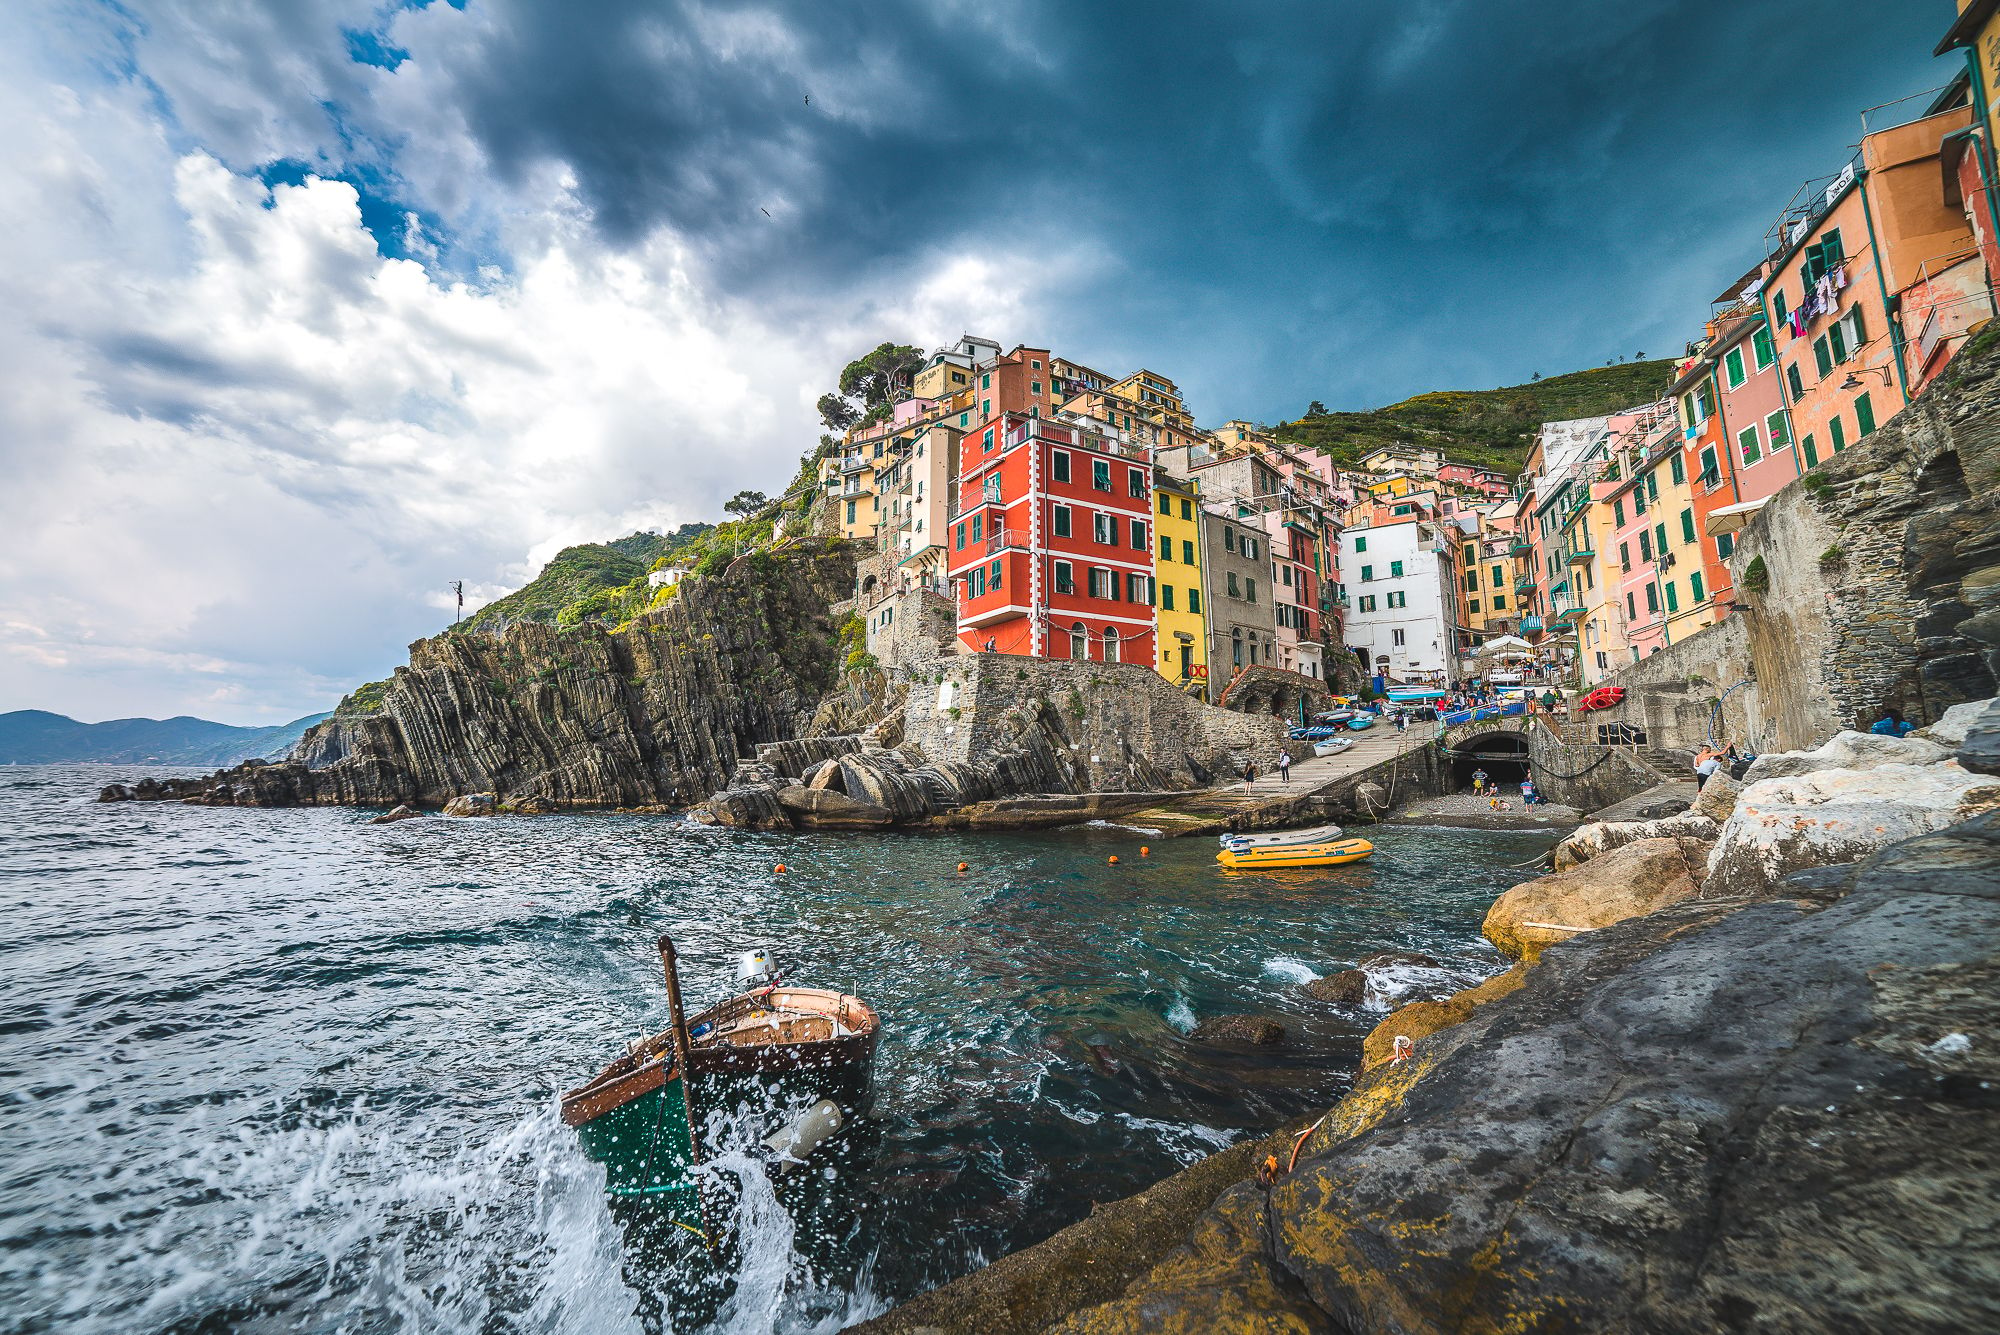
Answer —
1581 552
1520 547
1006 539
1524 583
1531 623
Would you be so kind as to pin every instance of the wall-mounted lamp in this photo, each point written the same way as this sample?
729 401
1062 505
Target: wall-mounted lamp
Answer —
1853 380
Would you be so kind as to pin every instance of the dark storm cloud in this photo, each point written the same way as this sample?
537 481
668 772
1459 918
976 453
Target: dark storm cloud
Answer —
1311 200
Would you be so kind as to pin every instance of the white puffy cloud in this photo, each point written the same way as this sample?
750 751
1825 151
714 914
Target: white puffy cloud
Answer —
242 452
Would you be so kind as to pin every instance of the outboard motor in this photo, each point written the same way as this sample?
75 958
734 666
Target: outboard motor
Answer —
756 968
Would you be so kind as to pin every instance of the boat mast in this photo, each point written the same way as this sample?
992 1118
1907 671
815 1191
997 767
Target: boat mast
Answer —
677 1021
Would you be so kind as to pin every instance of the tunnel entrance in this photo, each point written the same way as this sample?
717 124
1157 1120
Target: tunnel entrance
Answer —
1503 755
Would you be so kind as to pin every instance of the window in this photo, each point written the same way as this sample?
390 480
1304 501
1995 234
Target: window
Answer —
1187 551
1678 467
1166 548
993 576
1499 602
1697 592
1138 589
1187 509
1396 638
1228 538
1104 528
1166 503
1811 447
1059 465
1639 500
1836 337
1249 589
1645 545
1761 345
1499 577
1778 308
1249 546
986 381
1194 599
1618 513
1746 444
1631 609
987 439
1166 597
1864 416
1035 363
1777 432
1796 381
1687 526
1471 554
1236 647
1652 598
1034 388
1100 475
1234 590
1065 577
1472 604
1110 645
1285 576
1361 543
1100 582
1135 482
975 582
1367 573
1822 356
1732 367
1472 581
1837 429
1857 328
978 527
1398 599
1395 570
961 529
1061 522
1138 535
1652 486
1625 557
850 516
1367 602
1725 545
1673 598
1660 538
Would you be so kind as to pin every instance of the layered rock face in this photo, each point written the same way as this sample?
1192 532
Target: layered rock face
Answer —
655 714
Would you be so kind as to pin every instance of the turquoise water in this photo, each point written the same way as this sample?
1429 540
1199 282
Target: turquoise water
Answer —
287 1071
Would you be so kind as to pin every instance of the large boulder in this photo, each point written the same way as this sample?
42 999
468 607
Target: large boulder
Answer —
1256 1030
823 809
1953 725
1829 817
1980 751
1627 882
395 814
1717 799
1391 975
1600 837
472 804
1847 750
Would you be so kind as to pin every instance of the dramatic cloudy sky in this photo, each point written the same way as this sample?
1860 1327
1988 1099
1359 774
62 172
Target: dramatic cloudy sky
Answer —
315 305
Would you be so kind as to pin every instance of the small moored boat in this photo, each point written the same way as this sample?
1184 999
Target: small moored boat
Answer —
1320 846
636 1115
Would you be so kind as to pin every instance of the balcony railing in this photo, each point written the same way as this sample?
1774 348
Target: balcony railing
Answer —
1531 623
1581 552
1520 547
1006 539
1524 583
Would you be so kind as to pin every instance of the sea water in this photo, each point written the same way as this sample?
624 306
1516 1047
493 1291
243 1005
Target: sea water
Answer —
290 1071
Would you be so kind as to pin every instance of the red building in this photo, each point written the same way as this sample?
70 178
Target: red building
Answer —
1051 548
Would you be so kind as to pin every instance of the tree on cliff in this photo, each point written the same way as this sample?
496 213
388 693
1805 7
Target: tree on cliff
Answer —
746 503
879 377
836 413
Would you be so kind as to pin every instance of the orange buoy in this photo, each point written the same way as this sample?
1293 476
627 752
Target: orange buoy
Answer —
781 869
963 867
1114 859
1144 851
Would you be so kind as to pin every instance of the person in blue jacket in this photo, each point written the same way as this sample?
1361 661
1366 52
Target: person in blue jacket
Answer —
1893 724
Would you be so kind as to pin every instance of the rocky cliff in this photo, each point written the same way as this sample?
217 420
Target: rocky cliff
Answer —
656 713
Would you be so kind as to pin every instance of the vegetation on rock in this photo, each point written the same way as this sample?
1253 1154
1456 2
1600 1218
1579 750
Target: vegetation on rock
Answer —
1490 428
590 580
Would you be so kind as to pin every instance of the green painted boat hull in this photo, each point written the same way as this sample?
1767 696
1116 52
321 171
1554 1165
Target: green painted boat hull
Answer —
644 1147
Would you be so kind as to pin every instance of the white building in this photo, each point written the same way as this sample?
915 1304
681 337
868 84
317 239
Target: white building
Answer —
1402 604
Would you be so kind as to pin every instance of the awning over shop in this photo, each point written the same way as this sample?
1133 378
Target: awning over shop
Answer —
1729 518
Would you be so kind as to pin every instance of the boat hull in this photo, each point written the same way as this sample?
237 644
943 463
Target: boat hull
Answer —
642 1140
1299 855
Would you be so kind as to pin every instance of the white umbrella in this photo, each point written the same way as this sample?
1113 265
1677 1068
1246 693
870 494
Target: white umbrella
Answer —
1506 646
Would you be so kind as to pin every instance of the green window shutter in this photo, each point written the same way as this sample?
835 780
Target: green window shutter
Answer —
1166 597
1395 570
1822 357
1811 447
1499 603
1472 581
1697 592
1194 600
1797 382
1732 365
1187 551
1838 430
1778 430
1687 526
1746 441
1166 504
1760 343
1618 513
1660 539
1858 335
1361 544
1498 578
1837 337
1679 467
1652 486
1673 601
1779 311
1864 415
1830 251
1166 548
1367 573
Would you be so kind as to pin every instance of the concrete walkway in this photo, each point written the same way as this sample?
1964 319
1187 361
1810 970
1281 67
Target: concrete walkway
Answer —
1371 747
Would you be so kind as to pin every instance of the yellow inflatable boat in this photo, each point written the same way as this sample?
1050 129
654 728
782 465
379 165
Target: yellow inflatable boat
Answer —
1321 846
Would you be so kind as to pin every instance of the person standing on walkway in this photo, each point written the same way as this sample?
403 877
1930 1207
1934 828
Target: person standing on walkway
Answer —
1402 723
1249 774
1478 781
1285 765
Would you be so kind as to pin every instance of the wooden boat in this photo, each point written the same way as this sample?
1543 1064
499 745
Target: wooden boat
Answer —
1320 846
635 1115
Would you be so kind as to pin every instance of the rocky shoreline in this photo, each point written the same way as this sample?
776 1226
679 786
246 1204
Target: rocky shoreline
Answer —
1741 1075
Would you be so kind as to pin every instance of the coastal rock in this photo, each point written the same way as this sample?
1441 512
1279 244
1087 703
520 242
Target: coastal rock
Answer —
1660 810
1846 750
1980 751
825 775
1351 987
1953 725
823 809
1717 799
1257 1030
1420 1019
528 806
395 814
1827 817
1371 798
755 807
1630 880
1600 837
115 792
1724 1116
473 804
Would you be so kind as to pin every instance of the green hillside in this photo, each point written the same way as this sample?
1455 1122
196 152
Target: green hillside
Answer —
579 572
37 737
1487 427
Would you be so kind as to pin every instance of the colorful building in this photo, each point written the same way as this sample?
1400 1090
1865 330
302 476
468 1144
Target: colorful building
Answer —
1051 542
1402 617
1179 620
1236 595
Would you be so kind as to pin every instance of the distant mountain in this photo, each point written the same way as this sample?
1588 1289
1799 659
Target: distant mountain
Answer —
37 737
1487 427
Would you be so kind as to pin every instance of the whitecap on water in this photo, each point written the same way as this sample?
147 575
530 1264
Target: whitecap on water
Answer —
1187 1142
1114 825
1287 969
1181 1015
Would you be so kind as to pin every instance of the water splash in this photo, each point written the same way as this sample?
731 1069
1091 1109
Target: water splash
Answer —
1289 970
1181 1015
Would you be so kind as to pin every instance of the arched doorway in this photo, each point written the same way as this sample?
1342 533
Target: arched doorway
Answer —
1110 644
1503 755
1079 645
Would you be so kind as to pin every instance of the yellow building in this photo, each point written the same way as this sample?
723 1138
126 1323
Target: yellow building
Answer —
1182 626
1977 33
